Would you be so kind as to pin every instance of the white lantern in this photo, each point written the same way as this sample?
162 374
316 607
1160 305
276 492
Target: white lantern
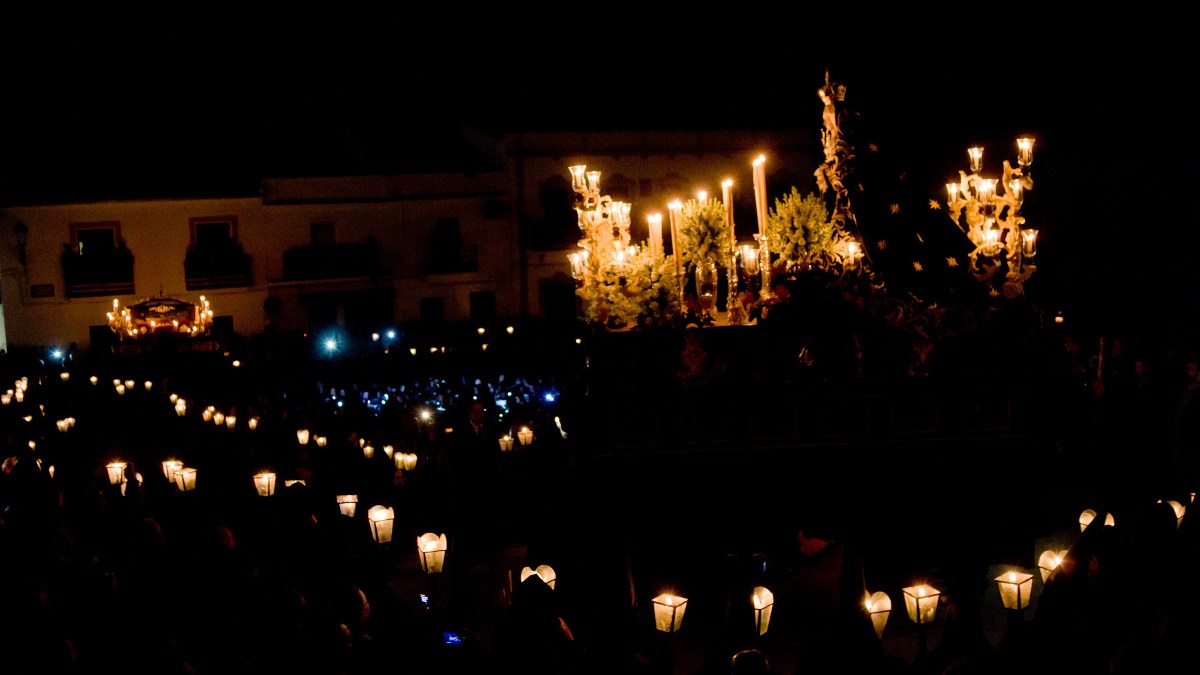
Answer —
265 484
506 443
347 504
302 436
432 550
185 479
668 612
763 601
544 572
1050 561
116 472
380 518
1015 589
879 606
921 601
321 441
170 466
525 436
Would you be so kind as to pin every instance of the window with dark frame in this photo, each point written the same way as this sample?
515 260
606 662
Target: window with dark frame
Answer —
213 232
95 238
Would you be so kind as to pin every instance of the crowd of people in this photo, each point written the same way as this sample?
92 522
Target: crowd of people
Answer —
141 576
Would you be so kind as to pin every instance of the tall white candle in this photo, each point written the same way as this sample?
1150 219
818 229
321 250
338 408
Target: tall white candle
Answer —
727 199
656 237
674 209
760 194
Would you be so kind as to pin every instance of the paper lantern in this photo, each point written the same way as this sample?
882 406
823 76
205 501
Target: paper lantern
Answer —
347 504
116 472
543 572
302 436
763 601
185 479
1049 561
525 436
506 443
879 606
381 518
1015 589
921 601
668 612
170 466
432 550
265 484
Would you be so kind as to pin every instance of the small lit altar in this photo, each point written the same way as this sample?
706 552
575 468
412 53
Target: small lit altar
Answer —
156 319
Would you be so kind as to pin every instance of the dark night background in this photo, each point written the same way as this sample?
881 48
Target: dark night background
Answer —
218 105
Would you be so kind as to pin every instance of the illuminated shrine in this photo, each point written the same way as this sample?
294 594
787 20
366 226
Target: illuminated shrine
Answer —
161 315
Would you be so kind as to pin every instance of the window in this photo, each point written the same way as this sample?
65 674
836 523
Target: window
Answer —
213 232
483 307
90 239
561 224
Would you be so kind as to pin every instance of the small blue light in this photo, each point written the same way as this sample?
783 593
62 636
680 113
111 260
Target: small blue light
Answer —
330 345
57 353
391 335
340 404
549 397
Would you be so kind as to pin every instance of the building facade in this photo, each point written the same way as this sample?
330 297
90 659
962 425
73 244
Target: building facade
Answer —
360 254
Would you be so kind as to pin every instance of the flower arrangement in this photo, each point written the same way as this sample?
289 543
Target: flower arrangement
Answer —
799 228
703 232
636 291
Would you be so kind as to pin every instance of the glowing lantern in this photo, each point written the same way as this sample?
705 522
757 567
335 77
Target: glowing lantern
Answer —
763 601
1015 589
543 572
921 601
347 504
265 483
116 472
432 550
879 606
668 612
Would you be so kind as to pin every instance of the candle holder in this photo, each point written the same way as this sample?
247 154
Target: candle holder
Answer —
993 222
733 303
766 294
706 290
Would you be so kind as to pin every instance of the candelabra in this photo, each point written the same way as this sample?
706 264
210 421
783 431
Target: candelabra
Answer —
621 284
993 222
604 223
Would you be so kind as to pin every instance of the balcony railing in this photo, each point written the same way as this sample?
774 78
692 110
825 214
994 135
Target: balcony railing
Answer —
337 261
219 268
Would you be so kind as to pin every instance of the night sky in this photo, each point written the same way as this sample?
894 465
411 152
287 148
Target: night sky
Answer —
129 118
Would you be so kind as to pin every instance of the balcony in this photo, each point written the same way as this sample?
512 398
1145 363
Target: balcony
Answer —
100 273
334 261
217 267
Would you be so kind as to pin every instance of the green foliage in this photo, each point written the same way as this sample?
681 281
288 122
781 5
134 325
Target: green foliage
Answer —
799 228
641 292
703 231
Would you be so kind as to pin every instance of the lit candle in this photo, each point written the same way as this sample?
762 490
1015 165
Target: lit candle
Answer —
674 209
727 199
656 238
760 194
